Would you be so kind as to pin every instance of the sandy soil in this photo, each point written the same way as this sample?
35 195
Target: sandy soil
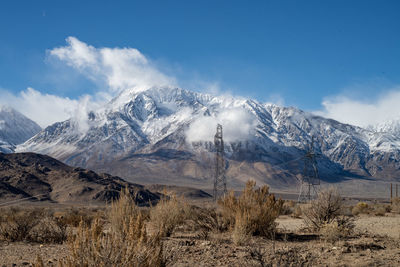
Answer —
24 254
388 225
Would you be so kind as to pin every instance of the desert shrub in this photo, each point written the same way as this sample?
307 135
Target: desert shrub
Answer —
167 214
126 243
252 213
16 223
379 210
74 216
205 220
38 261
241 232
396 205
34 225
297 212
121 211
288 207
361 208
49 230
388 208
340 227
90 246
323 210
347 211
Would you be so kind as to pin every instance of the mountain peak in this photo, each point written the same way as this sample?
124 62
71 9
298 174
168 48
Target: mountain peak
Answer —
15 128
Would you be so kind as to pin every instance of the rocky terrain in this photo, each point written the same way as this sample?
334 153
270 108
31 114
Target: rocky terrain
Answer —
38 177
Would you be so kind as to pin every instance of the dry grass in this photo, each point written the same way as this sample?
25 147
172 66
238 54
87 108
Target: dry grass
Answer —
361 208
297 212
374 209
341 227
205 220
168 214
288 207
252 213
205 237
92 247
38 262
241 233
74 216
395 206
125 244
122 211
381 210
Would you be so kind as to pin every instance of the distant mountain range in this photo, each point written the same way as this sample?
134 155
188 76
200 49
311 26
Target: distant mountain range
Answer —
164 135
15 129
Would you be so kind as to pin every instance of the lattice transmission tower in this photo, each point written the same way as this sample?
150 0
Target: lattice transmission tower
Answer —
220 178
310 179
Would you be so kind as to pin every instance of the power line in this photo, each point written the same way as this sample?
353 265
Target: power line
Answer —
220 178
310 179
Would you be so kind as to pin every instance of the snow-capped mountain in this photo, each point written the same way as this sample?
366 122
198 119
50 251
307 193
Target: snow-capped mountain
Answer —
165 135
391 126
15 129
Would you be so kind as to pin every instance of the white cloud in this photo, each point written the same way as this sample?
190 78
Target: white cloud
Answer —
119 68
362 113
46 109
237 125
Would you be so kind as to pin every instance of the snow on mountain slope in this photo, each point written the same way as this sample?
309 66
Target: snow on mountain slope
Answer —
166 133
15 128
390 127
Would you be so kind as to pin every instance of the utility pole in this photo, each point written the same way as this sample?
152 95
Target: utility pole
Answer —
310 178
391 192
220 178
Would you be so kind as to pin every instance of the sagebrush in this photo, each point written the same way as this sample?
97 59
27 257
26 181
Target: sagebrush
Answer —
361 208
324 209
341 227
324 215
31 224
395 206
252 213
169 213
125 243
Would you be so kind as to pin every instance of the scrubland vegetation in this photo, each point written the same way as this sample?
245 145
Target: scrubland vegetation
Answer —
123 234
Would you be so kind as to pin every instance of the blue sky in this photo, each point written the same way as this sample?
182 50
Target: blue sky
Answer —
301 52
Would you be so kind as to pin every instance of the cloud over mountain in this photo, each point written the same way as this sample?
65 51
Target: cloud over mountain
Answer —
44 109
361 112
238 125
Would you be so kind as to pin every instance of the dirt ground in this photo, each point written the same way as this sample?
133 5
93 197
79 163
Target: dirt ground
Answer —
376 243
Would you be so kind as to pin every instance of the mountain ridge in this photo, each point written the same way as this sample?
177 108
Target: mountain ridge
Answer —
144 135
37 177
15 129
